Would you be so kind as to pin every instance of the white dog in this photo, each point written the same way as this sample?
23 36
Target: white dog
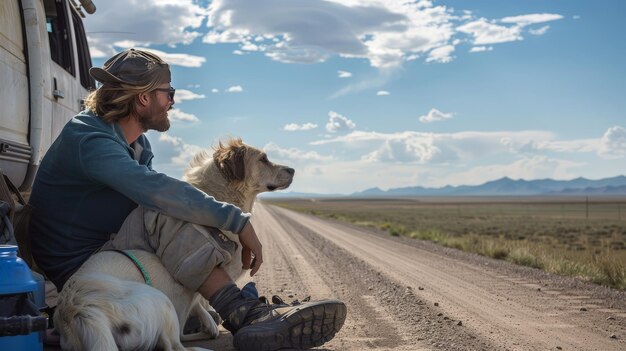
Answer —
106 305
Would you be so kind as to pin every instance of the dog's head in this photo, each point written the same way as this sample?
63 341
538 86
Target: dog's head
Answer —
247 166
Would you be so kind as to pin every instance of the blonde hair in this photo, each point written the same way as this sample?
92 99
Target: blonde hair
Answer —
113 102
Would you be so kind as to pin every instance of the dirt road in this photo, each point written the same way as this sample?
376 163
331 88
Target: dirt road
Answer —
405 294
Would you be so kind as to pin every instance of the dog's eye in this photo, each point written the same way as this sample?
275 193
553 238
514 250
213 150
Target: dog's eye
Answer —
264 159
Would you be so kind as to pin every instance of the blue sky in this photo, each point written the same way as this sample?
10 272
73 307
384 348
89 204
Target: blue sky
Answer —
356 94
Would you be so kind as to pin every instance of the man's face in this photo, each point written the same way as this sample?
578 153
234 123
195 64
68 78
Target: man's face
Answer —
154 116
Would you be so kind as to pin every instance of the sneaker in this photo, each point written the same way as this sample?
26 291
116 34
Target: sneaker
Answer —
282 326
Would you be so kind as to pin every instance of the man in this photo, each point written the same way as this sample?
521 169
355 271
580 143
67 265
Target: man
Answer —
96 179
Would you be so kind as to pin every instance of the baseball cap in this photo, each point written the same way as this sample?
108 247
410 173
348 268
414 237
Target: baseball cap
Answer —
132 67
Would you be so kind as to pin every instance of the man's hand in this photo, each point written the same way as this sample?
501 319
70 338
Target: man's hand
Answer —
252 253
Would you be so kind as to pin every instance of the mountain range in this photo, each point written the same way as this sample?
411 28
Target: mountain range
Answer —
500 187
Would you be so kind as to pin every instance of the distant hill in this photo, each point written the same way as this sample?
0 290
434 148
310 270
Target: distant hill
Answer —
605 190
503 186
508 186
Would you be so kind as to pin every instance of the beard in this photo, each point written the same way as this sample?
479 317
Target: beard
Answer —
155 119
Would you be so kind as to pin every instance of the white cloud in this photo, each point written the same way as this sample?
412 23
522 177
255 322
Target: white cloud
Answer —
481 48
435 115
184 60
382 93
294 154
569 146
576 17
539 31
441 54
385 32
420 150
184 95
486 32
177 115
613 142
344 74
161 23
338 123
215 91
292 127
166 138
432 148
525 20
251 47
235 89
97 52
178 154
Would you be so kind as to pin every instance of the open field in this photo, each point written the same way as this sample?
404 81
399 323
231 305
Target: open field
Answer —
578 237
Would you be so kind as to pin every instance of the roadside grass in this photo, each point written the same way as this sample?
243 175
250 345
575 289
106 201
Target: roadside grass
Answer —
603 268
591 250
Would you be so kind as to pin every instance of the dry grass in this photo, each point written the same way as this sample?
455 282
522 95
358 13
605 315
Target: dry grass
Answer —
566 238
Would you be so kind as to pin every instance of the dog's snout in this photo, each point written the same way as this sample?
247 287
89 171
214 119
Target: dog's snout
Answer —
291 171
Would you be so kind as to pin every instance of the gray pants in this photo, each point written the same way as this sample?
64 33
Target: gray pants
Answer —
188 251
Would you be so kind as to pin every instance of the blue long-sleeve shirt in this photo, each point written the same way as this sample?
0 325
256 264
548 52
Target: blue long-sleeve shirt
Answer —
90 180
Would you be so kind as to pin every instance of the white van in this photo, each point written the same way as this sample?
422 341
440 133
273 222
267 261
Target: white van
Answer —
44 75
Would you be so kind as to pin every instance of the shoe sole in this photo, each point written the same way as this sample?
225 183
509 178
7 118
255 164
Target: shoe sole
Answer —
307 326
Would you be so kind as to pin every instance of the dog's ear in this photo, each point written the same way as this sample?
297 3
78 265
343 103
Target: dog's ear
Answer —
235 163
230 161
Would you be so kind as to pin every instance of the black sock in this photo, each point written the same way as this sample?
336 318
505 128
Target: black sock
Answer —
224 298
232 306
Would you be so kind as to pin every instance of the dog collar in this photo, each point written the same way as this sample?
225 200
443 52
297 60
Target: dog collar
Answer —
138 264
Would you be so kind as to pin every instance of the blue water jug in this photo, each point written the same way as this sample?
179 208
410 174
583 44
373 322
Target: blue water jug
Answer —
22 327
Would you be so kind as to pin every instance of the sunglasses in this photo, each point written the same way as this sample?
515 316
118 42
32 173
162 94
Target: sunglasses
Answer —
170 91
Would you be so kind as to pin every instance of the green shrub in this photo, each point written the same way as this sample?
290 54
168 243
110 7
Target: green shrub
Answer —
397 230
610 272
523 256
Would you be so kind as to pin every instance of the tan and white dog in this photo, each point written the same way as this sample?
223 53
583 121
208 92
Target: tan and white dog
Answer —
106 305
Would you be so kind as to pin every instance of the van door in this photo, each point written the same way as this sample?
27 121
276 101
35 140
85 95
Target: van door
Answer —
14 93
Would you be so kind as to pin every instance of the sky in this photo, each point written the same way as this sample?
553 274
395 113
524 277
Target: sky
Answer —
357 94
